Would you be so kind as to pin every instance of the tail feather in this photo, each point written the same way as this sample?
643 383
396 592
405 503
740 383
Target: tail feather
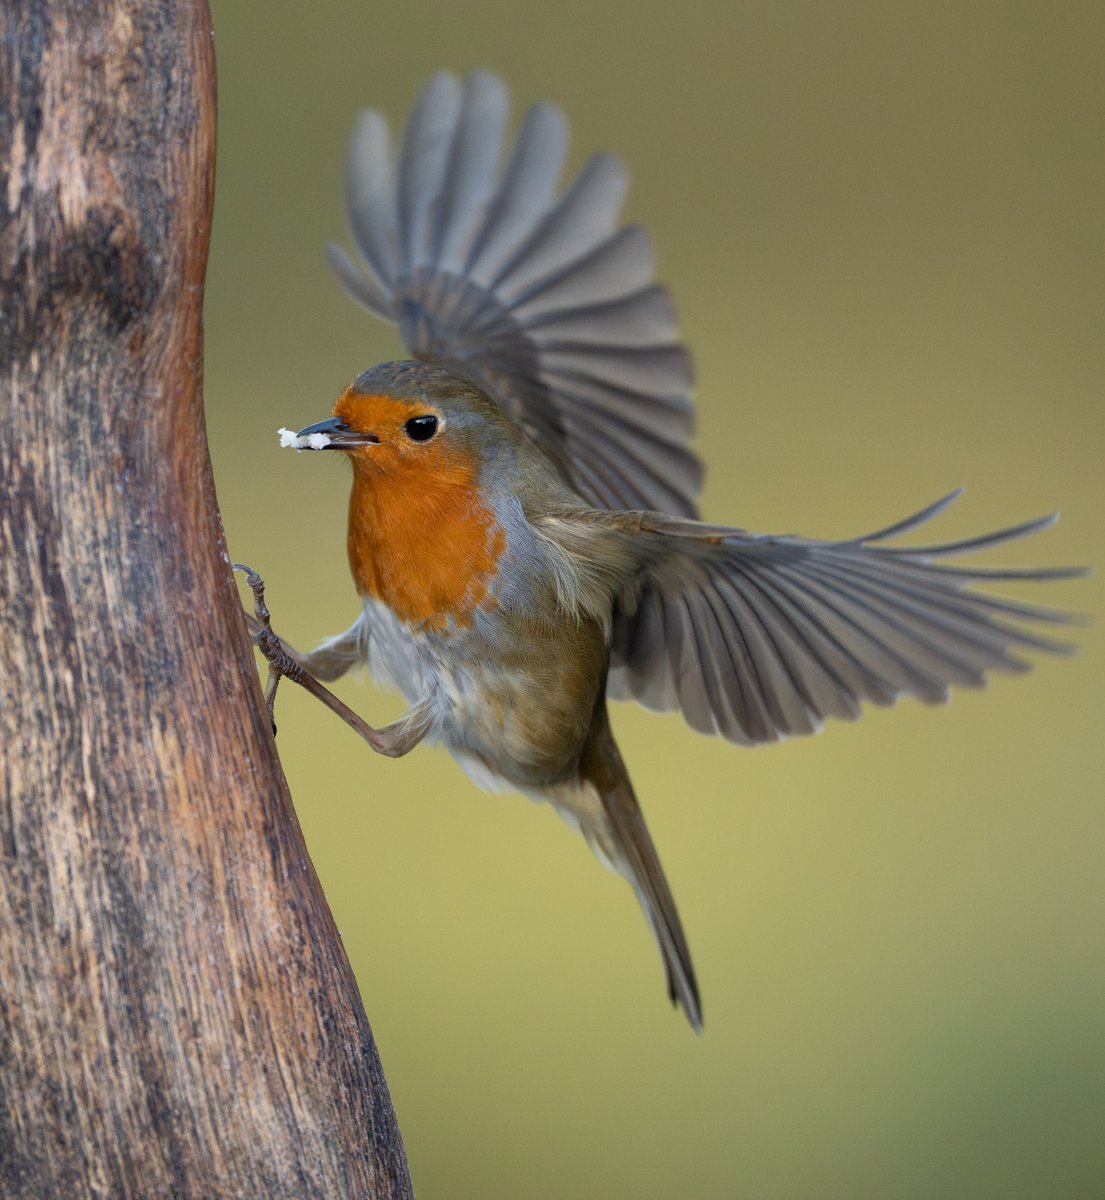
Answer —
641 866
625 843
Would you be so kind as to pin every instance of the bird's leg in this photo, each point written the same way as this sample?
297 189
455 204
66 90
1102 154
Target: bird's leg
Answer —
401 737
333 657
262 636
394 740
328 661
255 626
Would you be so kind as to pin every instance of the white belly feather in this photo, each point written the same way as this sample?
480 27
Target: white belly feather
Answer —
490 731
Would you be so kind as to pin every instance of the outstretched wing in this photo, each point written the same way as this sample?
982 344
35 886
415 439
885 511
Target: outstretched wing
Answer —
759 638
539 298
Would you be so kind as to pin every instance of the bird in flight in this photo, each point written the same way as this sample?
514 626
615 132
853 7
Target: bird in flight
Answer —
523 531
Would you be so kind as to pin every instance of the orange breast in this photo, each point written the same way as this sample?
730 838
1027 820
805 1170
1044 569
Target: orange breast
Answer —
420 538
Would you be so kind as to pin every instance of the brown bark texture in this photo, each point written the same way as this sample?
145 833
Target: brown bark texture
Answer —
177 1015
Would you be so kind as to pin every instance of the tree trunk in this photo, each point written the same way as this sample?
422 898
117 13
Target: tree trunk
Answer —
177 1015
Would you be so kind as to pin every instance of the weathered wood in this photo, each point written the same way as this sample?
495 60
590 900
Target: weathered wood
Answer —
177 1015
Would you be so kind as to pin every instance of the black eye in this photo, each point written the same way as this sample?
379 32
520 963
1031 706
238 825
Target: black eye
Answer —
421 429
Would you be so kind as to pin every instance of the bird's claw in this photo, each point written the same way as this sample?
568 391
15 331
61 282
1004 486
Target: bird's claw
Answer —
395 740
260 608
262 636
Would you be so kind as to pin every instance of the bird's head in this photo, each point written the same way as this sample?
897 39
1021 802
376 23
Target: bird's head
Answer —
433 459
412 419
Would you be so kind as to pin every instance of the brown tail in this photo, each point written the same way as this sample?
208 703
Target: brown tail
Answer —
629 848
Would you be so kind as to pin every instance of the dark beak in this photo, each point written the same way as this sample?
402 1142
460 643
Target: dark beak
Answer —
340 435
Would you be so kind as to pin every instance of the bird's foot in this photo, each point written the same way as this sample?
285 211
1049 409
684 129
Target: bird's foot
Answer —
393 740
261 634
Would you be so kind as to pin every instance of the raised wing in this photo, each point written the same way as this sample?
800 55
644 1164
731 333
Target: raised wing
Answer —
538 298
759 638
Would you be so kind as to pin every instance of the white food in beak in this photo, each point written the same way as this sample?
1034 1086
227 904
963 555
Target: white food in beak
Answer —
313 441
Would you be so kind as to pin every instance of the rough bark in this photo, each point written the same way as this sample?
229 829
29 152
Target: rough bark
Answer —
177 1015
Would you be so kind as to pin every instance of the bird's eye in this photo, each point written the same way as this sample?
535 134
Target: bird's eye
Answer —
421 429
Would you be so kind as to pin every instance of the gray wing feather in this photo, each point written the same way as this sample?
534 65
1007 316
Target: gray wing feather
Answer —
370 197
636 410
584 217
471 171
646 369
651 462
526 194
760 638
641 319
621 264
423 160
646 664
540 299
362 286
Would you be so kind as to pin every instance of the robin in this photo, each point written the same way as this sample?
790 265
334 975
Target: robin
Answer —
522 523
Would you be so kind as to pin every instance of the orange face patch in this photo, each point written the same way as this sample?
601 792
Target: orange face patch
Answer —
421 539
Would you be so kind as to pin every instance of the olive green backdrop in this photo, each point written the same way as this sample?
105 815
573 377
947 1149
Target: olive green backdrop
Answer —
883 227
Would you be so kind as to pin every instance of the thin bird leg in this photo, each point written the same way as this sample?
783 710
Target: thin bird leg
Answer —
254 625
328 661
394 740
270 695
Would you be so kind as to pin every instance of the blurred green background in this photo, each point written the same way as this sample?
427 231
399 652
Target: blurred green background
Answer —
883 226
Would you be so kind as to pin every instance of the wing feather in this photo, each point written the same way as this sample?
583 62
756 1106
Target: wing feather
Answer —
655 369
538 298
363 287
470 176
759 638
369 185
622 263
423 161
584 217
639 319
526 194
